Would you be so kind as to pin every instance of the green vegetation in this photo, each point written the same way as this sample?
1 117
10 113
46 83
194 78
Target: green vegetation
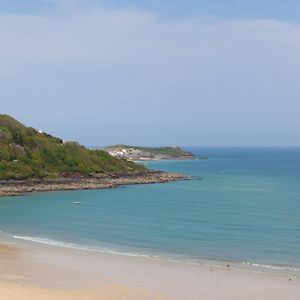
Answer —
26 153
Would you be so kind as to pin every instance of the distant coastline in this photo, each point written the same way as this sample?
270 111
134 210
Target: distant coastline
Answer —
138 153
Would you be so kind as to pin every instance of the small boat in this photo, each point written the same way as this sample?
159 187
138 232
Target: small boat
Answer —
76 203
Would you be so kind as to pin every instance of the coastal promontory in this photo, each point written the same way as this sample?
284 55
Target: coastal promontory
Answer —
136 153
32 160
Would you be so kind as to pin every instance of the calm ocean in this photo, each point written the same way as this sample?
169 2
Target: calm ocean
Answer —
246 208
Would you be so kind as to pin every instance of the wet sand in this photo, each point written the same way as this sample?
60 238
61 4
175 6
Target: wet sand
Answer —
33 271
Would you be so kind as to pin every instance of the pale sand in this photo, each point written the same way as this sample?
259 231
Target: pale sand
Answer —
37 272
110 292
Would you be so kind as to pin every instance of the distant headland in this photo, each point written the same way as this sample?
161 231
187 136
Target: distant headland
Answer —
137 153
31 160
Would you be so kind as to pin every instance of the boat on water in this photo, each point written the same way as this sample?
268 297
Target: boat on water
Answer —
76 203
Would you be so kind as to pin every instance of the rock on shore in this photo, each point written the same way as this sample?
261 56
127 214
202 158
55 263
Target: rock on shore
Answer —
16 188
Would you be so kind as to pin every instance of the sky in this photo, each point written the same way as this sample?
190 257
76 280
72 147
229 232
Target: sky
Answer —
154 72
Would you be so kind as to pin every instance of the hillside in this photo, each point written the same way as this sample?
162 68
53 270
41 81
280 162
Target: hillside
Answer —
26 153
148 153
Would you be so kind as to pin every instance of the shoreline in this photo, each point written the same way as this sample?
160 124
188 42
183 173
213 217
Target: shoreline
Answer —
49 269
252 267
18 188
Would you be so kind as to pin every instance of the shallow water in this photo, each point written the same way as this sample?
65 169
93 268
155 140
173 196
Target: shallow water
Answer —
246 208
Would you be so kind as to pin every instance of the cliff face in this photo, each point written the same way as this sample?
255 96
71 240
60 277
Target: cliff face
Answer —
26 153
148 153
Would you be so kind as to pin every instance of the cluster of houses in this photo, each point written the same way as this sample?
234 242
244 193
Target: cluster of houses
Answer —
129 153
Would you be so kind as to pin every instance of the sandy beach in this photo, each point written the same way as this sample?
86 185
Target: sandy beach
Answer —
34 271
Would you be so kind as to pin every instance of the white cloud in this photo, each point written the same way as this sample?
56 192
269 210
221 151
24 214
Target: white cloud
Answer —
108 37
131 57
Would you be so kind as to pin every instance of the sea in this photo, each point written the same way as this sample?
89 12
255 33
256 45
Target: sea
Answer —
242 206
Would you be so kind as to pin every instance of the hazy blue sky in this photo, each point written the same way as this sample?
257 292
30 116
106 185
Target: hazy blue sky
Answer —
154 72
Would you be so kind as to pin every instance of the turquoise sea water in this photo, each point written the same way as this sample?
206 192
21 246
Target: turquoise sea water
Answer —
246 208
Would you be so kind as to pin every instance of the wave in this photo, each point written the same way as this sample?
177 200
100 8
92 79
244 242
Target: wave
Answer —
50 242
208 262
281 268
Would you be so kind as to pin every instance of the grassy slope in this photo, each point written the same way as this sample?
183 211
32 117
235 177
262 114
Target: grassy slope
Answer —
25 153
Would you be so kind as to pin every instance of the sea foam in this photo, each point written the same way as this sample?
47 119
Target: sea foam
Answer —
50 242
